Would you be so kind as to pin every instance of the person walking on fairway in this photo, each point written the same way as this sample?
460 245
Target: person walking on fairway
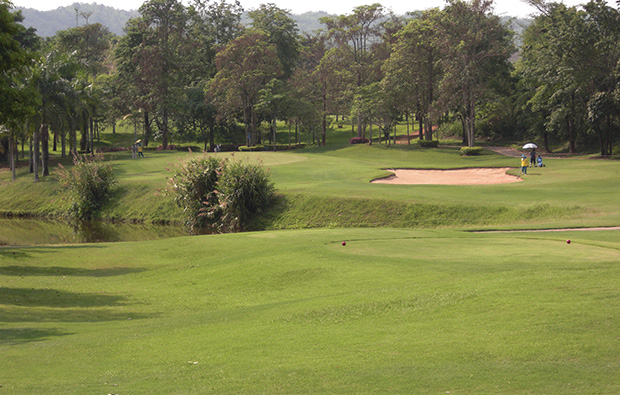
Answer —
524 164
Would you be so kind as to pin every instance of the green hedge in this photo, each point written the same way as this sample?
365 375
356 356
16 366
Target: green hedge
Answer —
471 151
428 143
257 147
279 147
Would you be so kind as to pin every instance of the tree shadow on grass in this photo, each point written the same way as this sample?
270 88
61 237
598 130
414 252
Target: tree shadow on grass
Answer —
56 298
46 314
15 336
21 253
23 271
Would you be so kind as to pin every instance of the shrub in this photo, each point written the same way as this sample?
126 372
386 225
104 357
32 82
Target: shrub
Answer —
221 194
257 147
471 151
168 147
286 147
359 140
428 143
194 184
189 148
244 190
228 147
89 182
111 149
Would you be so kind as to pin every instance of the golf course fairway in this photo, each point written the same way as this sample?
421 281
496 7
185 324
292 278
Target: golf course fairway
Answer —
296 311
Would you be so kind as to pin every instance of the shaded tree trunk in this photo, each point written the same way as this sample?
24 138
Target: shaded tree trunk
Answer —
324 120
147 129
63 144
45 153
420 128
165 129
256 136
30 157
84 136
273 125
91 132
407 120
12 155
73 144
35 159
211 137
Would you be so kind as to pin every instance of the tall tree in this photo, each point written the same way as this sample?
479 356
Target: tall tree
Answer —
474 43
18 99
354 35
413 71
569 58
162 54
91 44
244 67
281 30
135 93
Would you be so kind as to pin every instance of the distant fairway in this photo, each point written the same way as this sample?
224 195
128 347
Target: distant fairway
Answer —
330 187
396 311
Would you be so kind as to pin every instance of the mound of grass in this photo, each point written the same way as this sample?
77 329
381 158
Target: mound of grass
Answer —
309 211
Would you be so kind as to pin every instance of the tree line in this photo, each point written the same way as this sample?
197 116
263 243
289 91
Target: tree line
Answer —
196 72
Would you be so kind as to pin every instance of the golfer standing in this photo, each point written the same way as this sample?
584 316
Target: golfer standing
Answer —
524 164
533 157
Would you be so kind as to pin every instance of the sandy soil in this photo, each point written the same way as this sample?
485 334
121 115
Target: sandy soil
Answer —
478 176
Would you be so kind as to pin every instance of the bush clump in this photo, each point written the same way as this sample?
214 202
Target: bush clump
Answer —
359 140
170 147
279 147
194 184
89 182
244 190
257 147
471 151
220 194
428 143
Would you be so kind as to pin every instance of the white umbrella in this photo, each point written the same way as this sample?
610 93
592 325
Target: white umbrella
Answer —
530 146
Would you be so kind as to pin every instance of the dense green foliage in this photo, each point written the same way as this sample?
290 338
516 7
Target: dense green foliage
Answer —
469 151
89 182
194 184
429 143
220 193
243 191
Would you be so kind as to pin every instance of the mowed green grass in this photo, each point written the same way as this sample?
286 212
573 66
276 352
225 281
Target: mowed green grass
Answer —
568 192
393 311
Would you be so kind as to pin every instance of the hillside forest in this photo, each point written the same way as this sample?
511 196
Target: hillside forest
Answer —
198 73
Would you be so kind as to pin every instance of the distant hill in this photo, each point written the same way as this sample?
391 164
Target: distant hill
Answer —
48 23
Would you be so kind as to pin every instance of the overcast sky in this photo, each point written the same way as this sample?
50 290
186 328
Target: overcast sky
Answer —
502 7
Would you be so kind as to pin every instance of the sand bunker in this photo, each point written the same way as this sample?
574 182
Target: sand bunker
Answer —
478 176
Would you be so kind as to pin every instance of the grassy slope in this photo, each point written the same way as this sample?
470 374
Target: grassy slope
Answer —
396 311
330 187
